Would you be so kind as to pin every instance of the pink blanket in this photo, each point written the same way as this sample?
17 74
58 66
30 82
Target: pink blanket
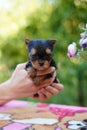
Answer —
17 115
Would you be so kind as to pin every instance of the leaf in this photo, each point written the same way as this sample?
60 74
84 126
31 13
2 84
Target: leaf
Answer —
83 54
75 60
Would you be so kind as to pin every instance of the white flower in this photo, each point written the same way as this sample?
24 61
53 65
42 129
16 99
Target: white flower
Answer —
85 41
72 50
83 35
81 41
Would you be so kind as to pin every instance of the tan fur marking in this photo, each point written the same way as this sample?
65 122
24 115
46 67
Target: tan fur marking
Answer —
33 51
38 67
48 51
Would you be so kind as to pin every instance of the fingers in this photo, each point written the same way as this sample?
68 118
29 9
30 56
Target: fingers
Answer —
58 86
52 90
38 96
46 82
47 92
20 66
41 72
43 95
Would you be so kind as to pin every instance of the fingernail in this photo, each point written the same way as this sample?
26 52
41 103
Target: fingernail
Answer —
53 68
47 87
61 87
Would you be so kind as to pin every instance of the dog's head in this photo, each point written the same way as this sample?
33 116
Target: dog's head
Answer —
40 53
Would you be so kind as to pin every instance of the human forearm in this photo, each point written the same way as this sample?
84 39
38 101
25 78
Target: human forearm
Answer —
5 92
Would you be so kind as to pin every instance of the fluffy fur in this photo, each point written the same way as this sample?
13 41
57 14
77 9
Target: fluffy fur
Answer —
40 58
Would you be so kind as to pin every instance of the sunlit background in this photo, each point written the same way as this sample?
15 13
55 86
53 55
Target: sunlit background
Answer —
45 19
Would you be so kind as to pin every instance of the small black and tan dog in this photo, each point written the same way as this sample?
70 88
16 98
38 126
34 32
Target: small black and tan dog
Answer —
40 58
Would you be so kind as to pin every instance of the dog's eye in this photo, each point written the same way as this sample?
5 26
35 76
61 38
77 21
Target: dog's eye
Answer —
48 57
33 57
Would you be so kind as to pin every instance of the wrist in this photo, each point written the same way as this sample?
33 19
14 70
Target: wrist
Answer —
5 92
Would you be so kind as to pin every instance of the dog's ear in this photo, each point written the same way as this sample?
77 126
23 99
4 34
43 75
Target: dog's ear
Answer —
27 41
53 41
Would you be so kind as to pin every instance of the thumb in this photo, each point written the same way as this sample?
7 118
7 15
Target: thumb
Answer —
21 66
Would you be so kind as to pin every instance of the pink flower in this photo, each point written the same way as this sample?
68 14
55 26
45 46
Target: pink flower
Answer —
72 50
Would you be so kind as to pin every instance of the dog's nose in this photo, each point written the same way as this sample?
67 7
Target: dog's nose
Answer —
41 63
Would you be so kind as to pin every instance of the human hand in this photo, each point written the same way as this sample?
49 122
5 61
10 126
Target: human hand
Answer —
20 85
46 93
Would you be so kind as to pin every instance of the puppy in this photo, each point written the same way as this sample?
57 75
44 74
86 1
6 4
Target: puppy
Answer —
40 58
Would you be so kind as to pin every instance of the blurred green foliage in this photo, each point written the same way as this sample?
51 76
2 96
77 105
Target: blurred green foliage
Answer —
50 19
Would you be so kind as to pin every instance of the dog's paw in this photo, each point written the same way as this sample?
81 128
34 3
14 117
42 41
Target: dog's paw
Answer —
31 73
36 81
